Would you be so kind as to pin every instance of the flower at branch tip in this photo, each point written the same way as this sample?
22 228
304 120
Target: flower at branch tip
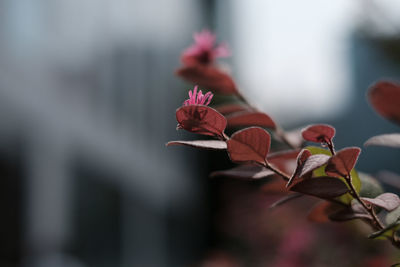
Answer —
197 98
204 49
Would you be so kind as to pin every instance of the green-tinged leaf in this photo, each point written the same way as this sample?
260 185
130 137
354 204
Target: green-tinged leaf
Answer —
370 187
341 164
393 216
320 172
347 198
356 180
315 151
318 150
385 233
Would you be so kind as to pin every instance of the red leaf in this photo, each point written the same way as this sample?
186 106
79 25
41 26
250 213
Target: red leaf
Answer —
301 159
208 77
322 187
250 118
384 97
206 144
391 140
250 144
319 133
244 172
388 201
386 232
201 119
231 108
341 164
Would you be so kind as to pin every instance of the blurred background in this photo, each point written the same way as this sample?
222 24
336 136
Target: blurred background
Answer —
87 103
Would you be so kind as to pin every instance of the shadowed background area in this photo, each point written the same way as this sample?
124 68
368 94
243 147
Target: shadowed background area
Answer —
88 98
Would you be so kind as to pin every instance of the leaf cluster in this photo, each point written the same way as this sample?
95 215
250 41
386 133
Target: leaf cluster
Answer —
317 171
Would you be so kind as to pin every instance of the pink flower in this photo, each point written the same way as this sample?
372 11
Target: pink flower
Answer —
204 50
197 98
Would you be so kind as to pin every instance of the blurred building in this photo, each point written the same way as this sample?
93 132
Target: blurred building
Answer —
87 100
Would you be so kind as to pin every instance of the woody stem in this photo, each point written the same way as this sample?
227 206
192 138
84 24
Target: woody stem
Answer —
378 224
277 171
331 147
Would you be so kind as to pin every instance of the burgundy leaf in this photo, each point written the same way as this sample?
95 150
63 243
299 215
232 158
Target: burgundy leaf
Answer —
384 96
250 144
244 172
285 199
388 201
208 77
231 108
319 133
301 159
348 214
206 144
201 119
323 187
391 140
341 164
314 162
250 118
